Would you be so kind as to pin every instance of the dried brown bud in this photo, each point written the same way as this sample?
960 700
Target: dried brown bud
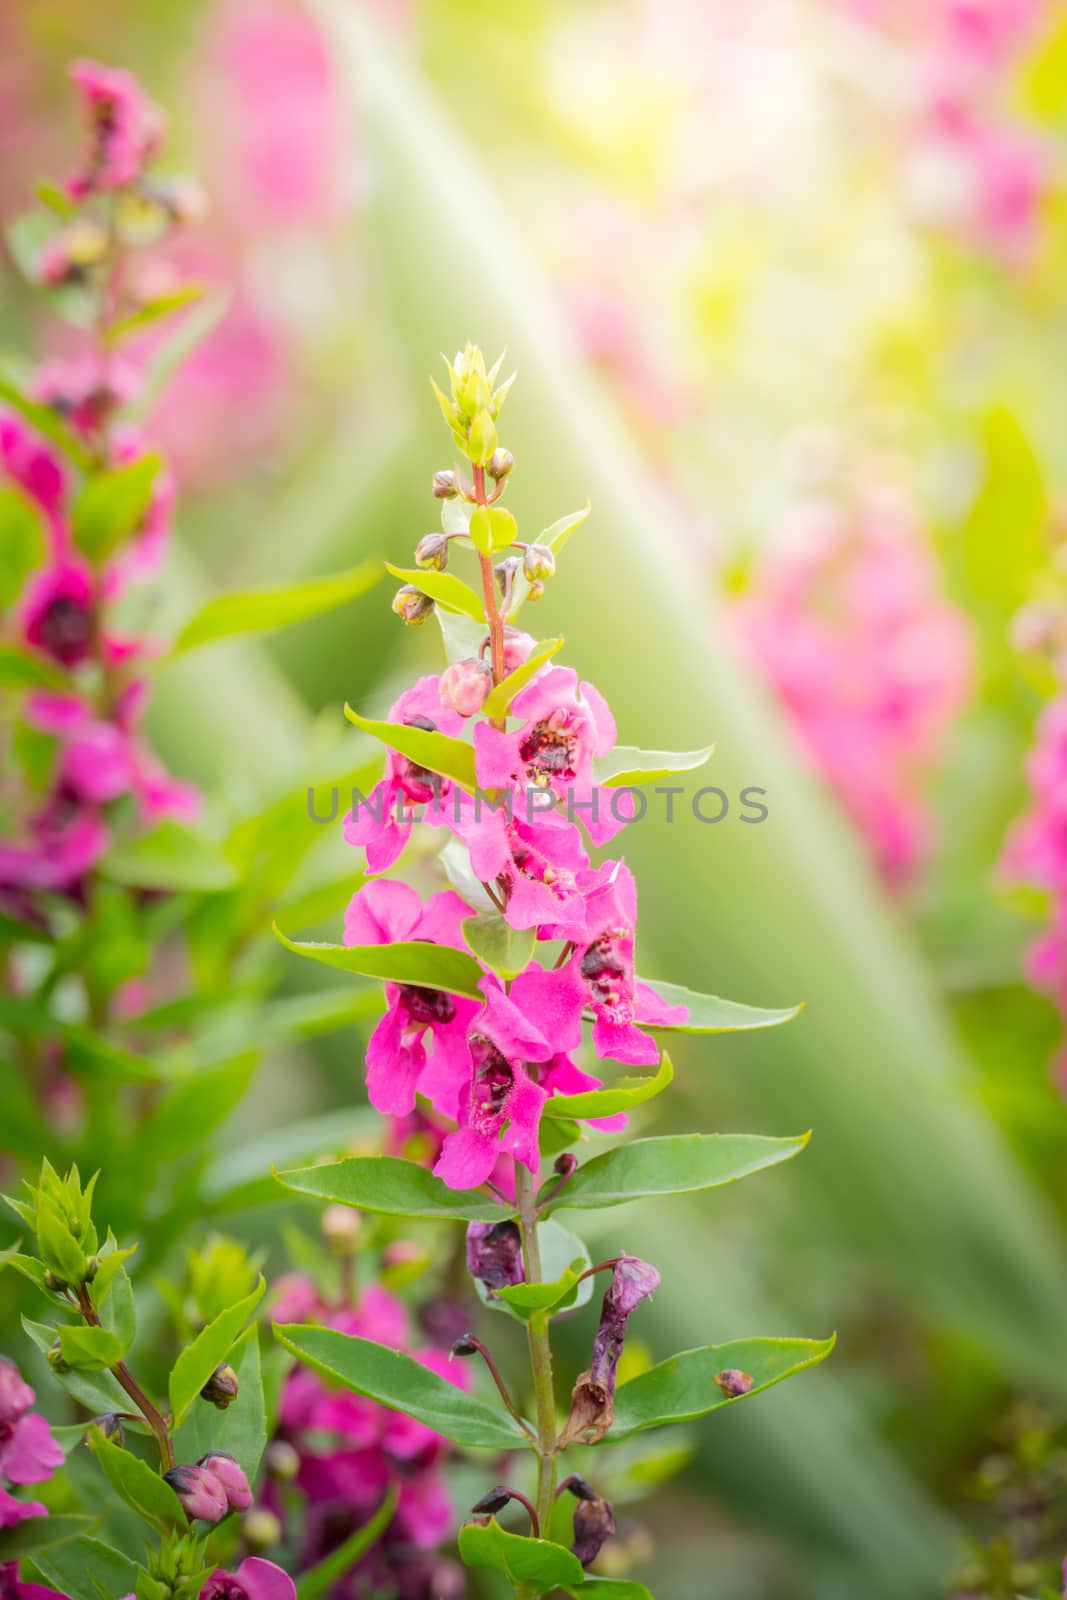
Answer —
492 1501
592 1412
594 1524
733 1382
110 1425
221 1388
565 1164
465 1346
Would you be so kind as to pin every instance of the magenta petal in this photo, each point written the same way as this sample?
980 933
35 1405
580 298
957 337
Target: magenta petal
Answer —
31 1454
524 1105
496 755
556 999
467 1158
13 1511
622 1041
442 919
382 912
393 1065
652 1009
262 1580
603 721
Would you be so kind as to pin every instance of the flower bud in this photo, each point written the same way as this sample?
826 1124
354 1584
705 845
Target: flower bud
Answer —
341 1227
231 1476
464 1346
464 686
56 1359
538 562
110 1425
92 1267
444 485
494 1254
517 646
492 1501
594 1524
182 198
432 551
565 1164
500 463
506 572
53 1282
221 1388
733 1382
536 590
281 1460
578 1486
261 1529
412 606
200 1492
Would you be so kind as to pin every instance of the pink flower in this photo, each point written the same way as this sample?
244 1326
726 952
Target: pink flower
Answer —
84 390
564 726
12 1587
465 685
255 1579
374 822
28 1452
64 842
35 466
533 858
600 977
500 1104
124 128
58 610
232 1478
383 912
202 1496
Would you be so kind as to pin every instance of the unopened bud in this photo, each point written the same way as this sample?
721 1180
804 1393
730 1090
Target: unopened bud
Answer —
56 1359
500 463
341 1227
232 1477
281 1460
506 572
412 606
594 1524
565 1164
466 1346
733 1382
464 685
110 1425
578 1486
444 485
517 646
538 562
493 1501
200 1492
221 1388
536 590
92 1267
432 551
494 1254
51 1281
261 1529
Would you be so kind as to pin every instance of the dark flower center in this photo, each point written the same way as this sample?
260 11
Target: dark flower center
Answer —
550 750
605 970
427 1006
418 783
66 630
492 1081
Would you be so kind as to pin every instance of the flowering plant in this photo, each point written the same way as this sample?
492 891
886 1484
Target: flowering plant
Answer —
490 986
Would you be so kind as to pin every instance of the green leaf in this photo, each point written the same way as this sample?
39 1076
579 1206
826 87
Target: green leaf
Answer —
391 1187
75 1568
47 422
39 1533
241 1429
684 1387
563 1258
395 1380
163 306
178 346
499 699
618 1096
676 1164
90 1349
112 506
321 1577
119 1312
428 966
98 1392
23 541
192 1110
536 1562
275 606
140 1487
626 765
27 1266
19 669
110 1265
709 1014
170 857
435 752
208 1350
461 636
492 528
505 949
443 587
613 1588
1004 532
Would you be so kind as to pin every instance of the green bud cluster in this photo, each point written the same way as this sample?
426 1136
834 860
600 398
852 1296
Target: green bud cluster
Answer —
472 411
59 1211
176 1571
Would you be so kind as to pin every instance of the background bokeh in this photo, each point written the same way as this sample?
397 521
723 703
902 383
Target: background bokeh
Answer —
784 284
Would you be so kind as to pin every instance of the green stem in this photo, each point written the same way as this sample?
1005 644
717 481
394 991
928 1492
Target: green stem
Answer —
540 1351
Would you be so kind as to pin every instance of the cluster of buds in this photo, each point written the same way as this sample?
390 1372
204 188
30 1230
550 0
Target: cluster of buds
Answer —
60 1212
475 406
211 1488
173 1571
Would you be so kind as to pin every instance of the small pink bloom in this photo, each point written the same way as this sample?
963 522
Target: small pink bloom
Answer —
374 823
254 1579
534 859
383 912
28 1452
57 612
124 128
200 1492
232 1477
465 685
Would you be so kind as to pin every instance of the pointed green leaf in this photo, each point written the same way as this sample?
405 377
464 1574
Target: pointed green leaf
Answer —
275 606
39 1533
563 1259
112 505
321 1577
208 1350
395 1380
684 1387
709 1014
492 528
154 311
135 1482
613 1589
98 1392
74 1569
21 669
505 949
535 1563
90 1349
170 857
241 1429
618 1096
499 699
555 537
676 1164
462 636
436 752
626 765
428 966
392 1187
443 587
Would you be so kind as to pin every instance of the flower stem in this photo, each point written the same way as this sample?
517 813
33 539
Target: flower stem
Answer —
152 1416
492 610
540 1350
